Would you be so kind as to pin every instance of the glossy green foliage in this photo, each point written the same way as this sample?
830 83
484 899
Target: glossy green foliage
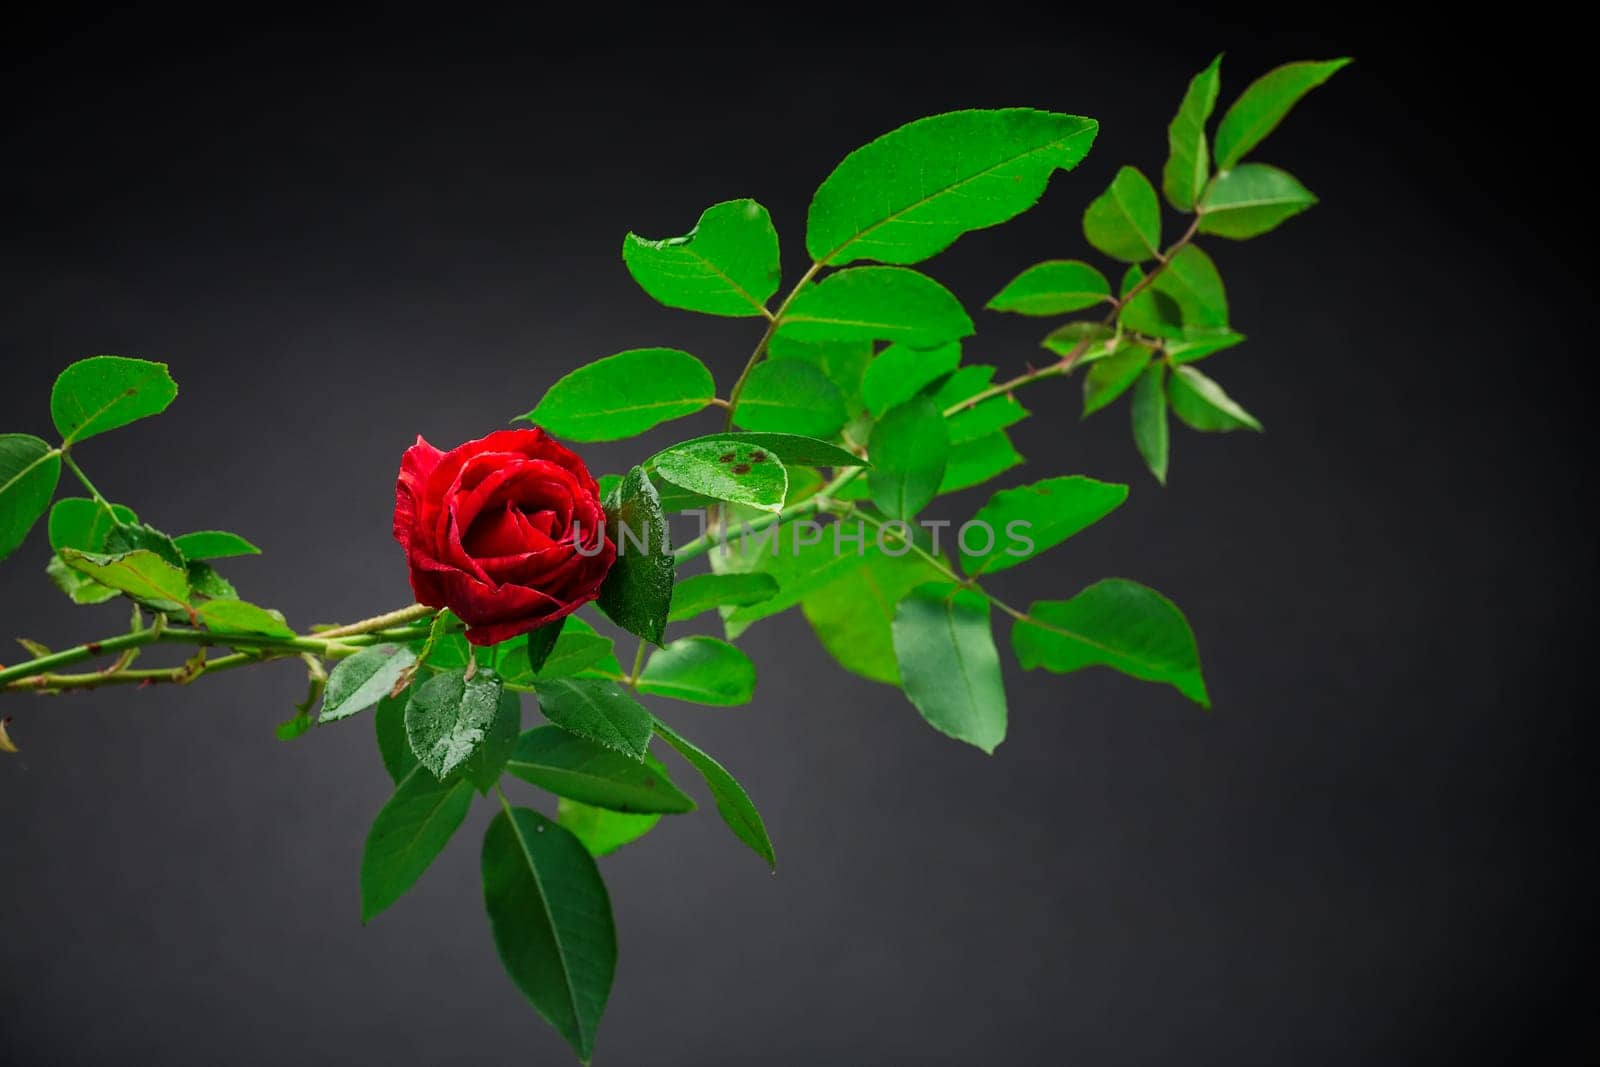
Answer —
727 265
601 831
1263 105
1252 199
77 522
394 747
234 616
1149 414
1188 159
1112 376
449 716
141 575
29 471
876 304
1124 222
910 449
541 641
410 831
1030 519
701 670
580 649
948 663
551 918
1186 299
701 593
598 710
975 462
570 766
1113 623
484 766
624 395
912 192
853 615
363 679
843 362
637 593
900 372
790 397
1053 288
719 468
1201 404
213 544
733 803
791 448
104 392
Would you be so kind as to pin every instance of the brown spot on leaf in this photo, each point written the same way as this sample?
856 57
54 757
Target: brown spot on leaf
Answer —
758 456
741 468
726 457
130 392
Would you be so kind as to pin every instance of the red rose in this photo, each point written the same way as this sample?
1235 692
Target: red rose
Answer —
506 531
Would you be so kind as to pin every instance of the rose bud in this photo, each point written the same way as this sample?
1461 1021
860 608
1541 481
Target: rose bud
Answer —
506 531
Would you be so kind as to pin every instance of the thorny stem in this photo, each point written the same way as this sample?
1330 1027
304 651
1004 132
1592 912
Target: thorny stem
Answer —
38 674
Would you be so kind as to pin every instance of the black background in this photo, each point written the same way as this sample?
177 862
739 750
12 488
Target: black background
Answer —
1370 851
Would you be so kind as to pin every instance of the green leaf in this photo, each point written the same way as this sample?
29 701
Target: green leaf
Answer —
726 469
1149 412
602 832
241 616
413 828
599 710
1082 341
389 722
488 760
79 587
798 564
1188 163
214 544
29 471
792 397
791 448
691 596
637 593
701 670
449 716
726 265
363 679
131 536
579 649
844 362
1053 288
293 728
541 642
1194 349
205 581
975 462
1263 105
909 449
912 192
1113 623
969 423
948 663
552 921
1252 199
104 392
901 372
571 767
1186 298
1109 378
624 395
141 574
1124 222
84 524
853 615
733 803
1202 405
876 304
1044 514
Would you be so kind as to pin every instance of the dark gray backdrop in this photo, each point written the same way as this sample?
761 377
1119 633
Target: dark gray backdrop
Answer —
1365 853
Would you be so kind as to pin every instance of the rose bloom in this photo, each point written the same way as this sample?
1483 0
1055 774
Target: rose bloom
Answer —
506 531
